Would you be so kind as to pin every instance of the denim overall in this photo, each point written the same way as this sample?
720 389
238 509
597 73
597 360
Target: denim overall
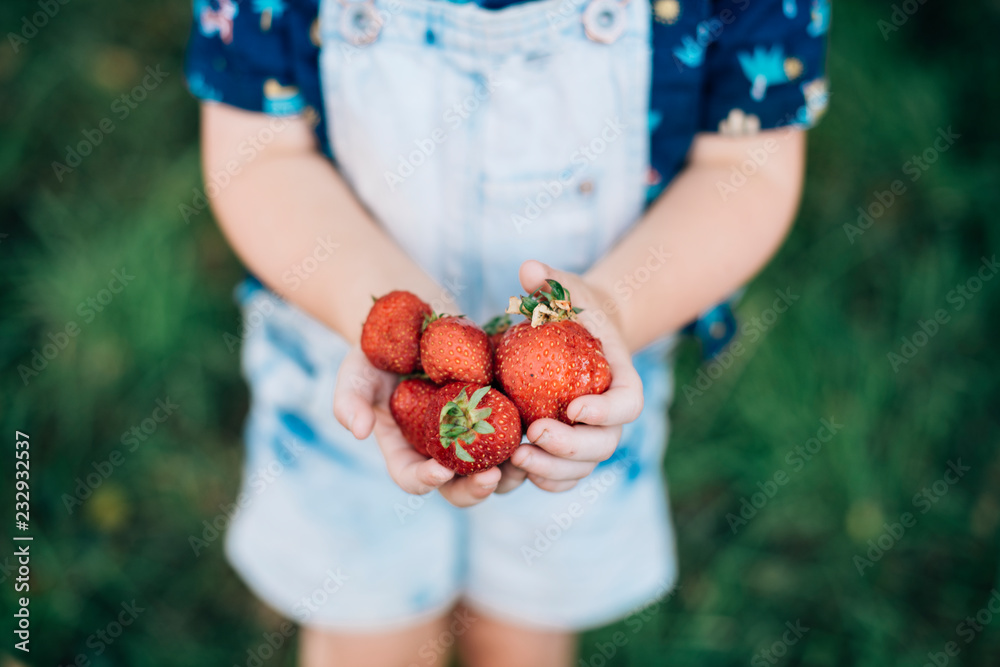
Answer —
478 139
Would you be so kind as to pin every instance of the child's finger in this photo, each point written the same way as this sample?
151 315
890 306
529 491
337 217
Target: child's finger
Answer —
539 463
622 402
550 485
512 477
358 388
466 491
576 443
616 406
355 414
420 477
412 471
533 275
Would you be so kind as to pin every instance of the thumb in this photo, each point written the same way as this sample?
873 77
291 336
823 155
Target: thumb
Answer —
533 275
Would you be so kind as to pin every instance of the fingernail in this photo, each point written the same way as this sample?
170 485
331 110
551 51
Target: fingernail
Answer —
543 437
350 422
581 414
523 458
489 487
441 476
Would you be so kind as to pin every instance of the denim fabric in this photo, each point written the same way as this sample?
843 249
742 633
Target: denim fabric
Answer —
514 137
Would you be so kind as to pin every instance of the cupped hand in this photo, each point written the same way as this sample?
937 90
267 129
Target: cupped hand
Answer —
361 405
560 455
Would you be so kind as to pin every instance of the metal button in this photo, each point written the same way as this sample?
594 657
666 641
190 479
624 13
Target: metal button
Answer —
586 187
360 23
604 20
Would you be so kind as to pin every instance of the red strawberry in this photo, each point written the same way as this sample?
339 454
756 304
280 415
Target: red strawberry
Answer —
496 328
454 349
471 427
409 403
390 337
544 364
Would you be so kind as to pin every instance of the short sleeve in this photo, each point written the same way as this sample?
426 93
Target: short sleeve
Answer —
766 67
239 53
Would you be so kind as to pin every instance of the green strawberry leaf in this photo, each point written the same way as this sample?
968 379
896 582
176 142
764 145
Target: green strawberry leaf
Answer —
478 396
528 304
481 414
462 454
468 438
450 409
558 292
484 428
452 430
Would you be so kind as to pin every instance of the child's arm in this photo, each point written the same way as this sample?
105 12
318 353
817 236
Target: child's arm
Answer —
287 203
714 246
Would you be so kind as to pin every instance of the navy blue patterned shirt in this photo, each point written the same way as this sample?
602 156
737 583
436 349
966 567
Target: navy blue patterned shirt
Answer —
729 66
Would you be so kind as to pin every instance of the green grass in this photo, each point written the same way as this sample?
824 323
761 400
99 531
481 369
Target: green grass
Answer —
163 336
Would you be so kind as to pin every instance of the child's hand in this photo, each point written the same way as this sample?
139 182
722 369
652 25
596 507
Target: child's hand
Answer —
560 455
361 404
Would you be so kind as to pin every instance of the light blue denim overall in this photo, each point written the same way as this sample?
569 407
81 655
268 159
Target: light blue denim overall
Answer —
478 139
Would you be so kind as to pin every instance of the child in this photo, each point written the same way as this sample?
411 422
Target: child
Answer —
467 152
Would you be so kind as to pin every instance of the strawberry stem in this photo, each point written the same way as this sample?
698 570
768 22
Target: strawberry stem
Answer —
497 325
552 305
461 420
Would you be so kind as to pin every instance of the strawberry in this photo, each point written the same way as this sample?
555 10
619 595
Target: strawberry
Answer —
409 404
471 427
454 349
545 363
496 328
390 337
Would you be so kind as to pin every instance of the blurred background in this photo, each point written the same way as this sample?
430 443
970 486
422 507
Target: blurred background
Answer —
794 464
